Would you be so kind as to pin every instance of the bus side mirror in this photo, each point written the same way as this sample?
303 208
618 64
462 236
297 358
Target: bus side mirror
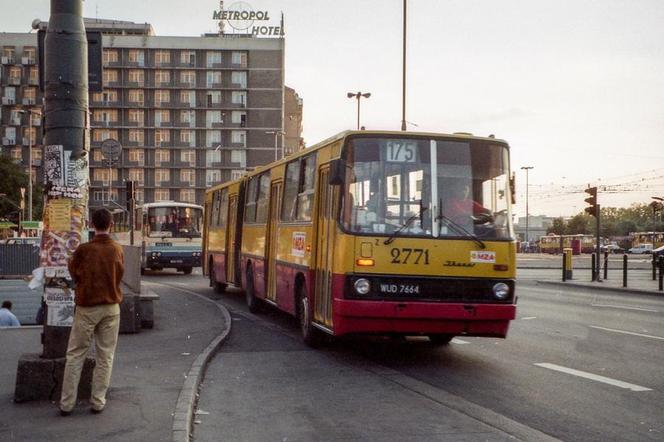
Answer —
513 187
337 172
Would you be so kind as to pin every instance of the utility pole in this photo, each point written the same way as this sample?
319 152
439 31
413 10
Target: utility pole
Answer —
527 168
66 177
403 73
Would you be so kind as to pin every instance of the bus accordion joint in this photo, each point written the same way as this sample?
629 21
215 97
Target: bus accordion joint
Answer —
366 262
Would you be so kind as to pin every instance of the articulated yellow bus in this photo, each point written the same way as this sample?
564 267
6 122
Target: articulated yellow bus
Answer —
369 232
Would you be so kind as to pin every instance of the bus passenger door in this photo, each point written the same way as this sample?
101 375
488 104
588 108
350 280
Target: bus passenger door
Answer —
272 239
325 230
231 226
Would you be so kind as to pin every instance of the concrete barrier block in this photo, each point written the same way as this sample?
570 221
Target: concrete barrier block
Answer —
129 315
39 378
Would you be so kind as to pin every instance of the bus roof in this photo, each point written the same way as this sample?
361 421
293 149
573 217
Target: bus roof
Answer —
341 135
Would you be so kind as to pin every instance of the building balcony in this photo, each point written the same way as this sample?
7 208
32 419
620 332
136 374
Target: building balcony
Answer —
14 121
163 124
238 85
214 85
33 81
113 64
14 81
7 60
6 141
186 84
29 101
133 143
135 84
238 144
135 104
116 83
8 100
28 61
138 63
104 123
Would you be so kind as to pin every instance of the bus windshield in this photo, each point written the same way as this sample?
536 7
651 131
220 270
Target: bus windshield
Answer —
174 222
390 189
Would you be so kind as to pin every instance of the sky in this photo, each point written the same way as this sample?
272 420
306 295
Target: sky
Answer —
575 86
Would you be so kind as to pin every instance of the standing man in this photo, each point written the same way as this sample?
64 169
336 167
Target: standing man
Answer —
97 269
7 318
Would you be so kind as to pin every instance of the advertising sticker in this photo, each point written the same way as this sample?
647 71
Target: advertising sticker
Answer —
60 302
297 248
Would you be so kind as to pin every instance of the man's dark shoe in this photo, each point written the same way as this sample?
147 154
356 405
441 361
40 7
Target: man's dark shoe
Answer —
64 413
95 411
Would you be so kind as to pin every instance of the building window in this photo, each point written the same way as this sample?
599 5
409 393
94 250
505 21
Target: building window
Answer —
162 156
97 155
137 156
136 136
212 138
136 56
239 156
104 134
161 136
188 58
188 97
103 195
136 175
161 195
109 56
33 75
110 76
188 195
187 116
237 174
17 154
136 96
212 177
239 97
105 116
239 117
239 79
140 195
212 117
30 96
213 57
136 116
188 137
162 175
188 176
213 97
29 55
212 156
162 97
213 78
162 117
162 58
188 78
136 76
188 156
239 137
162 77
239 58
102 174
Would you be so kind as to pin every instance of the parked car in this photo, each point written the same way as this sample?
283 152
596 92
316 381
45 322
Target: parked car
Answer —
612 248
641 249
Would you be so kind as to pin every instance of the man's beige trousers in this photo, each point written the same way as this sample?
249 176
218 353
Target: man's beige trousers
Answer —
102 322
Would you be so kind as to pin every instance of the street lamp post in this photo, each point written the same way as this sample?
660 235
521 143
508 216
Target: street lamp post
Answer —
276 146
527 168
403 80
357 96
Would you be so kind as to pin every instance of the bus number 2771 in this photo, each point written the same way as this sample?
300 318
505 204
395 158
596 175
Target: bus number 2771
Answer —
409 256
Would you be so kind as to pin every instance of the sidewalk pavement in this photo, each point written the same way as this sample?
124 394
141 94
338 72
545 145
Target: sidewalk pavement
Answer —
638 282
154 378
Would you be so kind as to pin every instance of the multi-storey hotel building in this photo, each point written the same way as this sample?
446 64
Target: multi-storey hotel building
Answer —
189 112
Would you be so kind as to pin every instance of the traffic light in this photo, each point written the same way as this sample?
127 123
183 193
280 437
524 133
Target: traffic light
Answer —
592 200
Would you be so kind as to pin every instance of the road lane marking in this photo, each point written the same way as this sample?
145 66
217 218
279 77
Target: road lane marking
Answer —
625 307
592 377
528 318
459 341
626 332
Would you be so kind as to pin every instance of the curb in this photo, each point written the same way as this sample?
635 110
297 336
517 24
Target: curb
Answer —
183 416
603 288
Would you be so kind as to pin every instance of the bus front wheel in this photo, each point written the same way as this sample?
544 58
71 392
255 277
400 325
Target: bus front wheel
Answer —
250 293
310 335
186 270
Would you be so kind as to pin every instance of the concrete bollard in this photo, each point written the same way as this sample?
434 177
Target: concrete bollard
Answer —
625 270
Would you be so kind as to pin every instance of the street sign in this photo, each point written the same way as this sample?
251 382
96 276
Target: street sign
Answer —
111 149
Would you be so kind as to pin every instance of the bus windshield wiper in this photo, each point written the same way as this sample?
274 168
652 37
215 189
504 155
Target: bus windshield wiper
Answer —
405 225
460 229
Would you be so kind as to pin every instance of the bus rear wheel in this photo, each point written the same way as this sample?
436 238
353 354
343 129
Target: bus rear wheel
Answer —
186 270
310 335
440 339
253 303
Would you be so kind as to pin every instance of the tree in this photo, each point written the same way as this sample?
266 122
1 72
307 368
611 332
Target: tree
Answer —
558 227
578 224
13 178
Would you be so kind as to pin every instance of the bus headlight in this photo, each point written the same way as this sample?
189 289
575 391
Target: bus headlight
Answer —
501 290
362 286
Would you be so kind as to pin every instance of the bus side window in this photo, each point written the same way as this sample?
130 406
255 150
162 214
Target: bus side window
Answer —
250 205
306 188
291 186
223 208
263 197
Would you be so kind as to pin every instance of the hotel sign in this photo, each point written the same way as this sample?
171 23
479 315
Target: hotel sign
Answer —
242 17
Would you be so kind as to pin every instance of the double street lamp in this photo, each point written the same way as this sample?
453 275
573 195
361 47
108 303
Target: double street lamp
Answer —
276 137
358 95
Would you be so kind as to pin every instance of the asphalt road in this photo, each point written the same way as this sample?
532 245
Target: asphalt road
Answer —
577 365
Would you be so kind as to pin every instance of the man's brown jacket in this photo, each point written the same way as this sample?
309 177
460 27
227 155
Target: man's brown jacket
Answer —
97 268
